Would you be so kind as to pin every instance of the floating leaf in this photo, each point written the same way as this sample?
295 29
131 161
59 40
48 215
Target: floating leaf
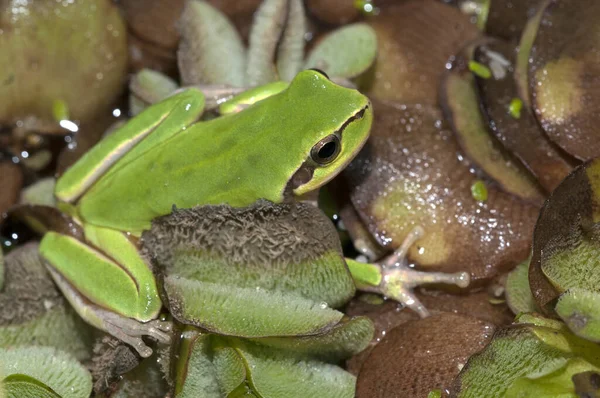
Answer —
561 76
53 368
277 374
460 103
415 39
565 243
196 375
418 356
346 52
521 136
211 50
401 179
23 386
289 248
246 312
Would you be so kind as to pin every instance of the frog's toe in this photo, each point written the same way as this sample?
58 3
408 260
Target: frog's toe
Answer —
131 331
398 283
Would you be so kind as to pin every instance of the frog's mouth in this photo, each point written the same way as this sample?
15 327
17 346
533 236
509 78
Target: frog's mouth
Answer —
311 176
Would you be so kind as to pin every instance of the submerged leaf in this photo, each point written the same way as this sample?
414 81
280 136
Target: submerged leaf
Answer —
346 52
518 293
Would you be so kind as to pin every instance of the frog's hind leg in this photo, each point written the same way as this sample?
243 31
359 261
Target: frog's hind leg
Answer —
121 301
149 128
392 278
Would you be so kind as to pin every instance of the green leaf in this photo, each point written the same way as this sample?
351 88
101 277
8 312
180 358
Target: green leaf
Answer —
347 338
346 52
518 293
276 374
23 386
196 375
246 312
580 309
55 369
211 50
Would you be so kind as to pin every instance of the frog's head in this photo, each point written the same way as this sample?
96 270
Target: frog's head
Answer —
336 125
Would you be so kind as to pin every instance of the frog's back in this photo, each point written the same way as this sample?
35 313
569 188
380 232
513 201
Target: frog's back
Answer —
225 160
235 159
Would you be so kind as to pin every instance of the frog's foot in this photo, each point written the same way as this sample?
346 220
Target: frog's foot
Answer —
130 331
398 280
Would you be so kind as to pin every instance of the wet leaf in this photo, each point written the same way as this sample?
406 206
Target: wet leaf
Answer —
419 356
521 136
248 259
561 76
346 52
389 314
415 39
290 52
460 103
211 50
47 366
74 52
269 21
401 179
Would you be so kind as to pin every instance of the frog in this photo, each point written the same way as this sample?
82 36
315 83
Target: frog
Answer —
278 147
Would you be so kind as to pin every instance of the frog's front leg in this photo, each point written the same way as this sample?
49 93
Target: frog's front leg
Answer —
392 278
108 284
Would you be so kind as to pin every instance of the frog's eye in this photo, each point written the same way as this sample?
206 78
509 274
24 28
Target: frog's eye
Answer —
320 71
326 150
